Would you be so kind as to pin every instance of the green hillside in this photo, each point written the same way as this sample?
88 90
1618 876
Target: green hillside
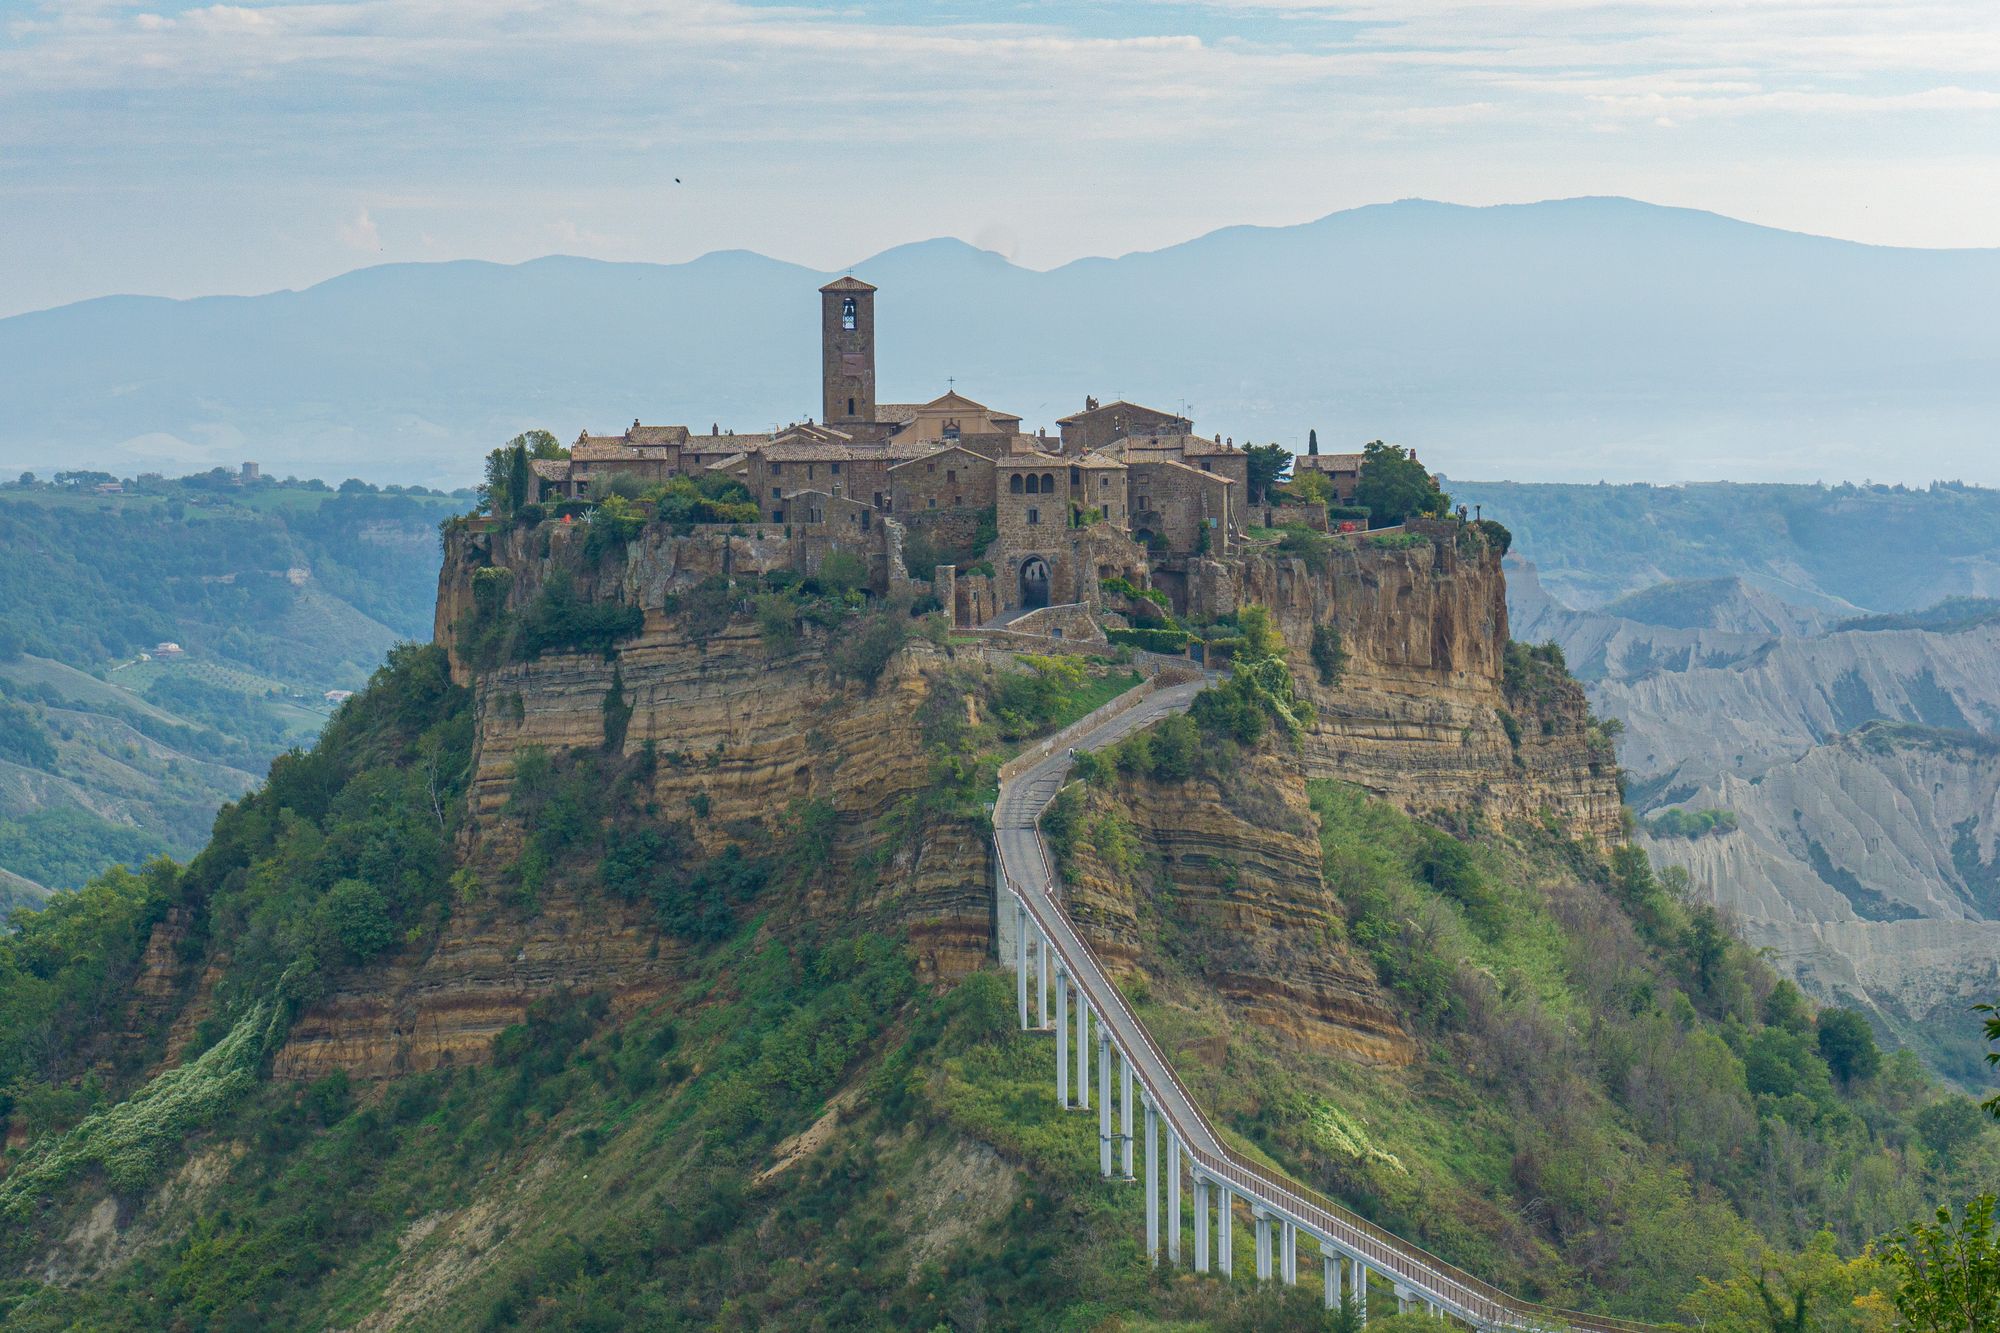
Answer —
1613 1102
275 594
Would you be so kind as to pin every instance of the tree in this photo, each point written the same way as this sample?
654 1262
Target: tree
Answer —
1992 1104
1950 1274
1309 488
1847 1044
1312 443
539 444
520 477
1268 465
1789 1293
1395 486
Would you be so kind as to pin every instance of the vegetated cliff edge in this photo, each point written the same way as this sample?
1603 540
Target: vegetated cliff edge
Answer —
732 730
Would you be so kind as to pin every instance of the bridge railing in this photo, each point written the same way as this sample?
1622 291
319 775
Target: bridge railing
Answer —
1409 1265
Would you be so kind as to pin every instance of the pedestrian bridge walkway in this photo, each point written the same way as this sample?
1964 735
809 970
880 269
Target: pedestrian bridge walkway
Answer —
1184 1157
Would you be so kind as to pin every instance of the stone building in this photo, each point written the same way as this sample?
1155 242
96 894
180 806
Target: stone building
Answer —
1342 471
1124 485
1100 425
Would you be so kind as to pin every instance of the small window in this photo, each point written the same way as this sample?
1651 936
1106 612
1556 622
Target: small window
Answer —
957 500
930 467
951 474
809 470
1034 484
878 499
1034 515
1048 483
933 502
850 401
1014 483
847 321
777 492
1102 482
777 516
1076 476
836 469
776 468
1207 466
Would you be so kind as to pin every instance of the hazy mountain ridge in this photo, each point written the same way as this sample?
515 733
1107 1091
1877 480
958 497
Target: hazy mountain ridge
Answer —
1521 339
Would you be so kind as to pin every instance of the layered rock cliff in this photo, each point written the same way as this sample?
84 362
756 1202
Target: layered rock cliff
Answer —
1226 872
1419 710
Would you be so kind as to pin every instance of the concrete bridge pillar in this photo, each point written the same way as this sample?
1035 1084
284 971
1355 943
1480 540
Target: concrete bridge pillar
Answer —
1041 980
1103 1101
1062 1039
1173 1197
1263 1244
1200 1223
1082 1050
1360 1292
1021 960
1225 1232
1152 1185
1288 1235
1125 1115
1331 1260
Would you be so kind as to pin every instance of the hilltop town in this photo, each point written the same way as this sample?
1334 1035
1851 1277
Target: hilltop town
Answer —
1036 524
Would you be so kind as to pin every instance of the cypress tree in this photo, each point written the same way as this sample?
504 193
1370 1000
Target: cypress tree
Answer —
1312 442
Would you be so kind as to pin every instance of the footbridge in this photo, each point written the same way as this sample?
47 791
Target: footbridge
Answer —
1141 1101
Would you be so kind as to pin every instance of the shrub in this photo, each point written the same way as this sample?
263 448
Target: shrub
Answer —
557 620
1847 1044
1329 655
863 654
1170 641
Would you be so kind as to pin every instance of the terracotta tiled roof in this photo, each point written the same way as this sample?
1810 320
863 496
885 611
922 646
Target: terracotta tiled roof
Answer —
1098 460
1089 412
819 451
657 435
850 283
905 458
1215 477
599 449
896 413
550 469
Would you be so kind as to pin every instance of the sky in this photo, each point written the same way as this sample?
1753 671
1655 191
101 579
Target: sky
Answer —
186 150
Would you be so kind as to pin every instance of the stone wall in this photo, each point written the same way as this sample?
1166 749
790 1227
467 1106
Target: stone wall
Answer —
1175 501
952 480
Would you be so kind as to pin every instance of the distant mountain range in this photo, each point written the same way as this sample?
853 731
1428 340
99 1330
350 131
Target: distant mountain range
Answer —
1562 340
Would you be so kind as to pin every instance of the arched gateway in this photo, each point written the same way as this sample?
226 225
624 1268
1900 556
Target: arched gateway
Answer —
1034 582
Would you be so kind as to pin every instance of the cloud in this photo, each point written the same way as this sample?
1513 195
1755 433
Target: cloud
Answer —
361 233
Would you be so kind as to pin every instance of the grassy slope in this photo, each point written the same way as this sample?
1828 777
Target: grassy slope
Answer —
607 1175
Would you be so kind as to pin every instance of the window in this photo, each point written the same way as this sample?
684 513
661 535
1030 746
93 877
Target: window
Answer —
958 500
1102 482
777 492
1076 476
777 516
930 467
951 474
1034 515
809 471
850 401
1207 466
1048 483
776 468
1034 484
878 499
933 503
847 320
1014 483
836 469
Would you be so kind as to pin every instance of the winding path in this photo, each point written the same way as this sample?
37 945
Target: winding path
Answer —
1351 1248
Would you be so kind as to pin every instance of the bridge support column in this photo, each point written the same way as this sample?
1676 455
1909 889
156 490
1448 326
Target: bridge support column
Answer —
1103 1101
1021 960
1360 1292
1173 1198
1225 1232
1263 1243
1041 979
1200 1223
1125 1114
1288 1268
1152 1185
1082 1050
1331 1261
1062 1039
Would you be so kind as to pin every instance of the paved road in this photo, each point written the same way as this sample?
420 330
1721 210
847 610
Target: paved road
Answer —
1024 859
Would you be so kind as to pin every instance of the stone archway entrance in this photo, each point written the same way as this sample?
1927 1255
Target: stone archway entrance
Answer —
1034 583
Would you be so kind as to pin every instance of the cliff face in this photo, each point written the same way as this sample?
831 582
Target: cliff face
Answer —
1228 870
739 734
1418 713
738 731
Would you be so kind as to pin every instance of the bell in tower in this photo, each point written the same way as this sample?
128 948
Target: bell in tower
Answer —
847 352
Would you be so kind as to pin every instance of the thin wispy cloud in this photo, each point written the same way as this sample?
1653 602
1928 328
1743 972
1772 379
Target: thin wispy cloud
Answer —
259 135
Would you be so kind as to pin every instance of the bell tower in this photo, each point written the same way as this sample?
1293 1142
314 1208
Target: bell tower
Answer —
847 351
